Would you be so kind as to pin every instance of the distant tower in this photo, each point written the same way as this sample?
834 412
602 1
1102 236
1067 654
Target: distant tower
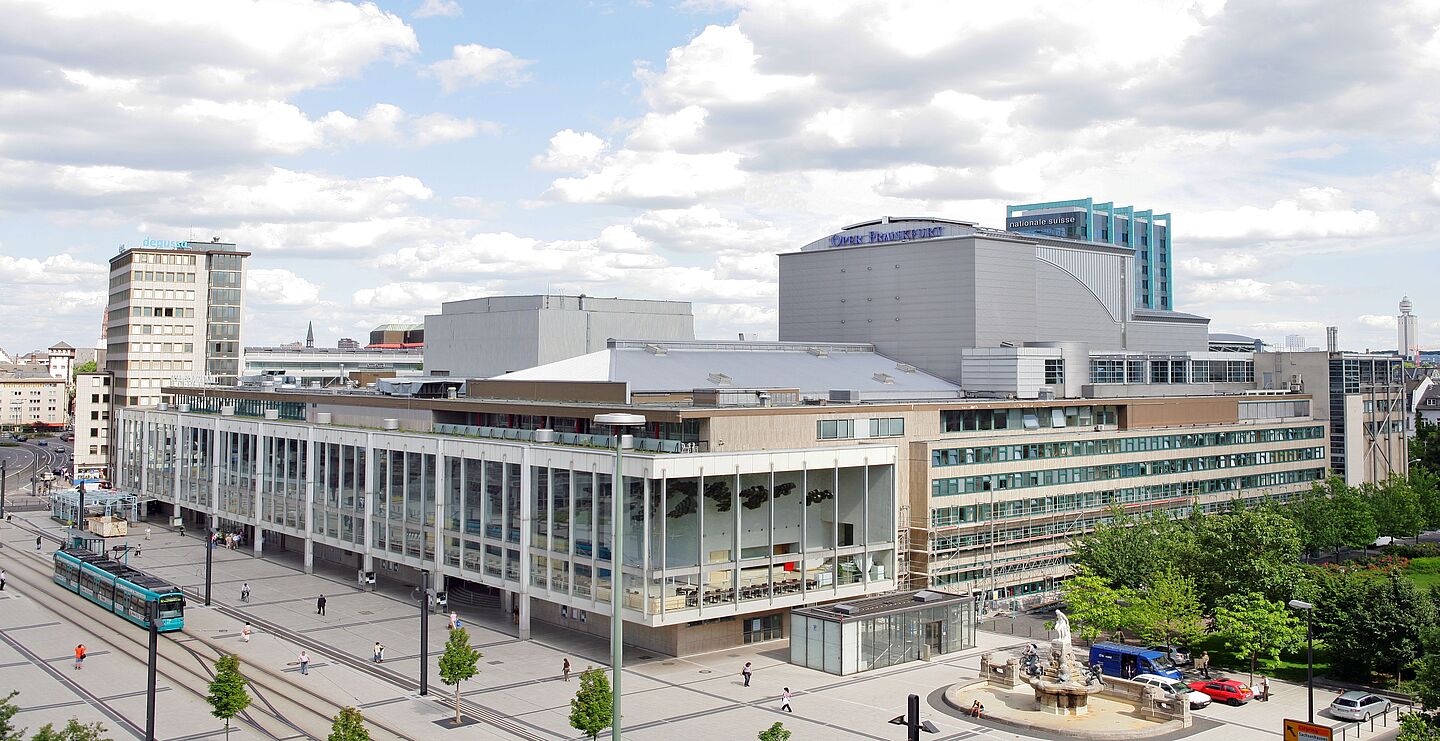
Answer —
310 337
1407 327
1295 342
1332 339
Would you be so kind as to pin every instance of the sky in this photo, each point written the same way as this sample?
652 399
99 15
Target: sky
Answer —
380 158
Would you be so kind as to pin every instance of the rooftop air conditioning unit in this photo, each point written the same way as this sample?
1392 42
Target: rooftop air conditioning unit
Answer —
322 418
544 436
1046 395
845 609
184 407
227 411
844 396
391 424
272 414
162 406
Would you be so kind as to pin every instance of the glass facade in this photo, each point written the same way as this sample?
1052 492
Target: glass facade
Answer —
902 629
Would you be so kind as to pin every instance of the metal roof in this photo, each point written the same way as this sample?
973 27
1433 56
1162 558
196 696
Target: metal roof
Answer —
885 604
682 366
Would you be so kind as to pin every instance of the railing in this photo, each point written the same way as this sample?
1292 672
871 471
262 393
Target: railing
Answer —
643 444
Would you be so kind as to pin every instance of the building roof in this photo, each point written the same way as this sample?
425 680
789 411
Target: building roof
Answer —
62 345
1228 337
815 368
398 327
885 604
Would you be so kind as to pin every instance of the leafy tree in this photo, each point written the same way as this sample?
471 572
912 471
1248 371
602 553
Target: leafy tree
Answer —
8 710
1425 447
1094 605
86 367
1168 611
1426 685
591 709
776 732
458 663
1126 550
1397 508
1418 727
1427 488
228 697
1355 517
1255 547
73 731
349 725
1314 516
1251 625
1371 624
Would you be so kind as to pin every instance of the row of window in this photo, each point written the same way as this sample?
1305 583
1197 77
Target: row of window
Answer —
1028 418
158 276
1171 370
136 347
1106 472
1040 451
162 311
844 429
165 259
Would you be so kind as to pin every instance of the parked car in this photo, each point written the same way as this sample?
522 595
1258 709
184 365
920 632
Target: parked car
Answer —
1357 705
1174 688
42 443
1128 662
1229 691
1179 655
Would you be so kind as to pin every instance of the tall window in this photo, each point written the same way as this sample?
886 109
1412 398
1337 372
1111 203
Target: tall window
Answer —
835 429
1054 371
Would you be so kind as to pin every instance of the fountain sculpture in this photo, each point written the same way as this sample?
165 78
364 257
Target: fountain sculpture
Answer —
1062 687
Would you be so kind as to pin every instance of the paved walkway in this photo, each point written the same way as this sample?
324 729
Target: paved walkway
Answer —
696 697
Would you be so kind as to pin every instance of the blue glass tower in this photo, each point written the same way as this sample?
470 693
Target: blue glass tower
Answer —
1146 232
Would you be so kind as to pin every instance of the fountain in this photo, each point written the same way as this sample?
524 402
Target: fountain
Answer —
1059 687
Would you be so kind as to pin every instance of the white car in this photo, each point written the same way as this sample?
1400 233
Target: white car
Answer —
1174 688
1356 705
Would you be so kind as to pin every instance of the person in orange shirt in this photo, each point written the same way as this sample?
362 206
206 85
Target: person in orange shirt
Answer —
80 656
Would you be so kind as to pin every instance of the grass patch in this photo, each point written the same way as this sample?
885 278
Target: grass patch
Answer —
1423 572
1290 667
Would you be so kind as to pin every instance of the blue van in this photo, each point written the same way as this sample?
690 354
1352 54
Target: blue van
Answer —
1128 662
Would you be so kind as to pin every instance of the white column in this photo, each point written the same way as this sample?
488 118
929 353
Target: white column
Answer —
527 515
260 455
307 517
214 470
367 558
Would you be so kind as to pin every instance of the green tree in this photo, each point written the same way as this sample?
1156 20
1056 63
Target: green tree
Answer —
1354 516
1426 685
1094 606
1397 508
591 708
775 732
1418 727
1427 489
228 697
1425 447
1371 624
1251 625
1313 515
458 663
349 725
8 710
73 731
1168 610
86 367
1127 549
1255 547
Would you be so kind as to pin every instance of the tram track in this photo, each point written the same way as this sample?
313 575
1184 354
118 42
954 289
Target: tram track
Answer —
468 707
282 710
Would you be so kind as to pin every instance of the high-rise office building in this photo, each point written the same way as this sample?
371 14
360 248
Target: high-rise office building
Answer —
1294 342
1407 327
1146 232
173 316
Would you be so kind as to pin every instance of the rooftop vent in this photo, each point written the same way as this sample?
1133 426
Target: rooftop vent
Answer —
845 609
884 378
656 349
819 352
227 411
844 396
719 379
184 407
926 595
905 367
272 414
322 418
391 424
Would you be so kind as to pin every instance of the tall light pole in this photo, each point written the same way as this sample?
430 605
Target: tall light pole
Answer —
617 422
1296 604
424 633
153 612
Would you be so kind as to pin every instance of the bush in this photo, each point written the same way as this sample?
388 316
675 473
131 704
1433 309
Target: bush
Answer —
1417 550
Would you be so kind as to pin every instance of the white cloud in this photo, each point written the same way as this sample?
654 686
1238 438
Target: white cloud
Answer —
438 8
1227 264
473 64
1249 289
279 287
1376 321
51 271
416 297
653 178
570 150
1314 212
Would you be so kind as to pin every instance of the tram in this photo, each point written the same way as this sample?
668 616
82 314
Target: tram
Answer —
120 589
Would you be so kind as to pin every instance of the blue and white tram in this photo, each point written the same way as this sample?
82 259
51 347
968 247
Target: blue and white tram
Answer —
120 589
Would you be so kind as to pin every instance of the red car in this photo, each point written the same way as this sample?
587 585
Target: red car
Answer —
1229 691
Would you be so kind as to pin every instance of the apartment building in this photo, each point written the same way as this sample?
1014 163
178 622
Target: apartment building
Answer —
33 401
92 425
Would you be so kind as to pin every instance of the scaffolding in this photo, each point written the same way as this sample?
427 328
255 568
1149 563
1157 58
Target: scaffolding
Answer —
108 502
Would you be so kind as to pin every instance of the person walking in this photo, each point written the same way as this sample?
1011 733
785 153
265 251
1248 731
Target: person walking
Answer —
147 532
320 605
80 656
1264 689
785 701
379 653
454 620
245 591
565 670
304 662
1202 665
2 580
37 542
745 672
245 633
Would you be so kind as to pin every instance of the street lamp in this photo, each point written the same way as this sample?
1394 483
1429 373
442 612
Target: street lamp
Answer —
1296 604
617 422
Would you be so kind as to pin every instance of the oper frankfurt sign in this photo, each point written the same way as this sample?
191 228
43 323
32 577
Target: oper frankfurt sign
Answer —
874 237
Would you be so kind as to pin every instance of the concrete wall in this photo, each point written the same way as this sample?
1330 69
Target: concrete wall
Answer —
1070 311
1167 336
480 345
1005 290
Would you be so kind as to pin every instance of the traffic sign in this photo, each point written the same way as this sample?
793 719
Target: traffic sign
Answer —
1299 730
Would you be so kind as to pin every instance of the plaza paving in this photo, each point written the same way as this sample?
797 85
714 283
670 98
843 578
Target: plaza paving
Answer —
695 697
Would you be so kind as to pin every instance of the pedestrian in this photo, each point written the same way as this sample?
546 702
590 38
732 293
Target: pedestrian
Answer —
2 580
320 605
245 633
304 662
245 591
1203 665
147 532
565 670
80 656
181 529
745 672
1264 689
37 542
379 654
454 620
785 701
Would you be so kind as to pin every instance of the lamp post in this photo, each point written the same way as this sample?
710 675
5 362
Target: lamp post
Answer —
154 615
3 474
1296 604
209 560
617 422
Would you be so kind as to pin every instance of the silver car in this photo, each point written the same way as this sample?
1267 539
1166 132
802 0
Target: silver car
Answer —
1174 688
1179 655
1356 705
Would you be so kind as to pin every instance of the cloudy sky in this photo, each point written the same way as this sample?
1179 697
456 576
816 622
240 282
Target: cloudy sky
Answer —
379 159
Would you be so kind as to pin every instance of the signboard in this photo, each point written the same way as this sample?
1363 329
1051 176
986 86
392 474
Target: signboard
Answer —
877 237
1031 222
1299 730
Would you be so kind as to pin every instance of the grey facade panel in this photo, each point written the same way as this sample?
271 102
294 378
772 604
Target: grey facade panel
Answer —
1069 311
1164 336
479 345
1105 275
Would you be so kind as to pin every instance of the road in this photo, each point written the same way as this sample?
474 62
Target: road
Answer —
27 459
